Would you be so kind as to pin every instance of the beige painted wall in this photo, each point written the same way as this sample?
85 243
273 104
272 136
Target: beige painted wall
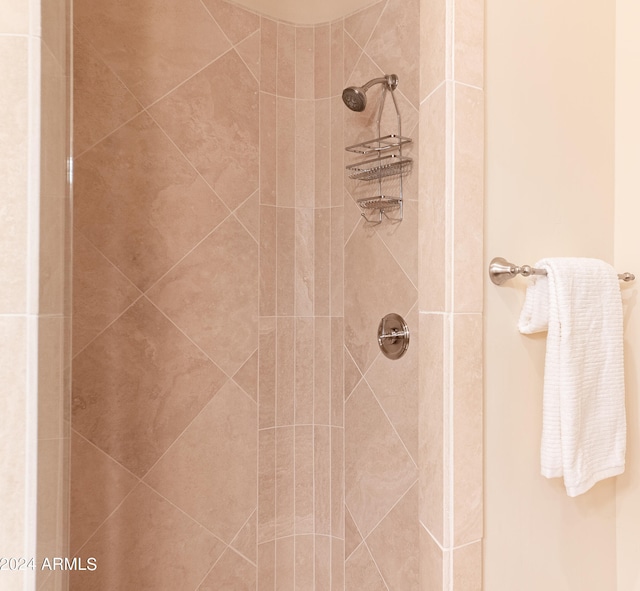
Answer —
627 255
549 192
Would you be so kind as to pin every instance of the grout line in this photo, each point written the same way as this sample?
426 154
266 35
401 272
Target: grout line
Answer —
178 262
433 538
254 512
256 32
347 510
190 517
434 91
213 18
120 315
103 452
400 499
113 132
295 277
384 412
260 318
384 582
234 213
191 164
188 79
377 231
77 552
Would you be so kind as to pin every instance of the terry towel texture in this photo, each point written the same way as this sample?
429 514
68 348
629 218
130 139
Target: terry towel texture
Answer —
583 412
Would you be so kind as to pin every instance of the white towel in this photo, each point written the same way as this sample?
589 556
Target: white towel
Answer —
583 415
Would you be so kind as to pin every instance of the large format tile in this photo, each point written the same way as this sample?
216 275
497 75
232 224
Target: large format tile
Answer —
213 119
98 486
211 470
395 545
14 16
231 573
396 37
236 22
361 24
467 429
246 542
375 285
469 199
100 292
13 170
378 469
249 51
13 424
395 385
212 295
138 385
141 203
361 572
148 544
101 102
151 47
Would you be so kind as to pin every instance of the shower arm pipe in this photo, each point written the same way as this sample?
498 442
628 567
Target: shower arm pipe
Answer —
390 82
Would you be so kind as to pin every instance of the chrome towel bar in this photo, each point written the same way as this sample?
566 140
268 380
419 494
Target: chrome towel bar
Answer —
501 270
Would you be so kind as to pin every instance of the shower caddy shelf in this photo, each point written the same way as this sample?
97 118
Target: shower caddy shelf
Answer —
387 161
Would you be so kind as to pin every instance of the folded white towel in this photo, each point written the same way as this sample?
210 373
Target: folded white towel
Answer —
583 415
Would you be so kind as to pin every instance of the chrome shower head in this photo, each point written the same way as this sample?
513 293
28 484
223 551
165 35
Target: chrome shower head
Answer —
355 97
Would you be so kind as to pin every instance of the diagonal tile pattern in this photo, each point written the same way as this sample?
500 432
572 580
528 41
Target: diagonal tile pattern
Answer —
148 544
378 469
138 385
152 391
213 119
249 51
212 295
361 24
396 37
223 440
374 286
98 486
141 203
101 101
396 388
232 573
100 293
236 22
152 48
395 543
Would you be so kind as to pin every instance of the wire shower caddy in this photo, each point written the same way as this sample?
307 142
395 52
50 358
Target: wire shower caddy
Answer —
384 159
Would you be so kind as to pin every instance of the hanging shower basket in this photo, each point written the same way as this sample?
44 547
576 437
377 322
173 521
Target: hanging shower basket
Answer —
383 159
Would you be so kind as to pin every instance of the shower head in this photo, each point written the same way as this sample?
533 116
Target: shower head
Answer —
355 97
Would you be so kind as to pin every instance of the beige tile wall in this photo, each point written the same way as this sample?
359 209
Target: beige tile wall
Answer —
34 296
168 289
451 276
54 330
211 201
300 484
381 276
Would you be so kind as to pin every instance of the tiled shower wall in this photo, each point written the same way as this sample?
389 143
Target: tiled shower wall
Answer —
208 391
34 291
450 300
233 421
300 499
381 276
166 295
